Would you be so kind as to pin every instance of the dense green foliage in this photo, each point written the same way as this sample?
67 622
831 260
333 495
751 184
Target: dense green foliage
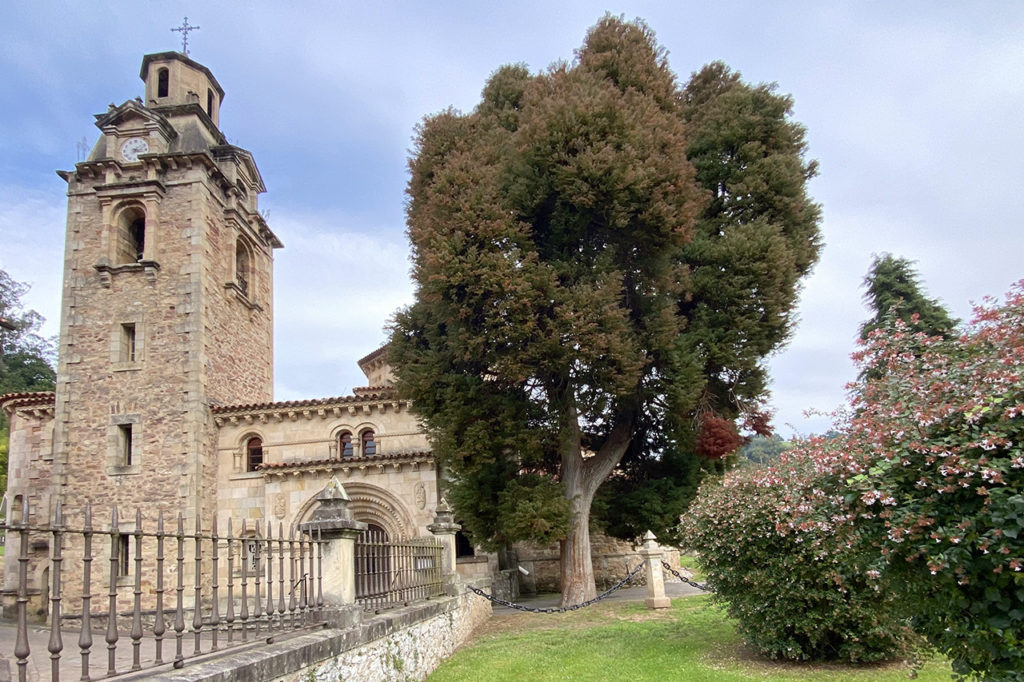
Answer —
602 259
893 288
920 488
796 592
763 449
26 359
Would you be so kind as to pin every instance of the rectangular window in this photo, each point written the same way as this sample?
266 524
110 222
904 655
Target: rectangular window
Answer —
252 555
125 436
123 555
128 342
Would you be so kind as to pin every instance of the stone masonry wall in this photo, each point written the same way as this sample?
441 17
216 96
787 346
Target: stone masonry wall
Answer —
30 468
161 392
613 559
396 489
410 653
401 644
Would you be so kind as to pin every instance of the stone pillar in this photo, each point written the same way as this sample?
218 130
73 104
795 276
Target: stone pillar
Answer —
445 528
333 522
652 555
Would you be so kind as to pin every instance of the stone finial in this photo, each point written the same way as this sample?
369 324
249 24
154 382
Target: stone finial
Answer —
334 490
332 517
443 515
650 540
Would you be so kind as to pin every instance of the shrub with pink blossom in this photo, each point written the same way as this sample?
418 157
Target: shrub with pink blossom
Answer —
931 453
919 490
778 550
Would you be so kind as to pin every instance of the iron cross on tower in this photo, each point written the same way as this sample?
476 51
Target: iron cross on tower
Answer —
183 30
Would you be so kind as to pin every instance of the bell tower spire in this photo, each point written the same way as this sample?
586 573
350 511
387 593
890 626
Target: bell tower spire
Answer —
167 304
174 80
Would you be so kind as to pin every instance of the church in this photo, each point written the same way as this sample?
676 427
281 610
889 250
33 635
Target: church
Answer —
164 394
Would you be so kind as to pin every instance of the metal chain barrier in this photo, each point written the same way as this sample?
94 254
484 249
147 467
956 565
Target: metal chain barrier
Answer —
560 609
685 579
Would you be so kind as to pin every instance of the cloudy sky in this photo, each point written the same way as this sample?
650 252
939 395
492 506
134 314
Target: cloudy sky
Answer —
914 111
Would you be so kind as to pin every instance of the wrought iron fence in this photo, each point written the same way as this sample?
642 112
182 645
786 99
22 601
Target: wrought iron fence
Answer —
243 588
391 574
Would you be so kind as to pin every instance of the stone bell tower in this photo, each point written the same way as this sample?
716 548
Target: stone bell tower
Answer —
167 300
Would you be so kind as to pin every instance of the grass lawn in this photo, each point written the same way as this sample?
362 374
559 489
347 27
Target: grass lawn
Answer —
693 640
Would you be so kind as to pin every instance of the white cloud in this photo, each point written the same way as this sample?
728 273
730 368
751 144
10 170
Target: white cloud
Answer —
31 247
336 285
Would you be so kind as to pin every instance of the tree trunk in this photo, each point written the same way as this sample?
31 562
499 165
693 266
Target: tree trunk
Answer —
577 568
581 479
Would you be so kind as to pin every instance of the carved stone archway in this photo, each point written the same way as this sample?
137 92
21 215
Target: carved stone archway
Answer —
371 504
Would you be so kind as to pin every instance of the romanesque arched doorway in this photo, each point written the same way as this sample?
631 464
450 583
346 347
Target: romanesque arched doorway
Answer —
378 508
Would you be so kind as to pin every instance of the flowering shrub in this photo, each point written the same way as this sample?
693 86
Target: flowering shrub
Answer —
920 490
798 589
931 453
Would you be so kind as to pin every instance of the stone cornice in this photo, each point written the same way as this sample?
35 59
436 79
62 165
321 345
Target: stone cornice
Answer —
318 408
255 226
41 401
367 360
376 464
158 162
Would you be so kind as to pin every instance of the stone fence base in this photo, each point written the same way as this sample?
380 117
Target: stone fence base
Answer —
400 644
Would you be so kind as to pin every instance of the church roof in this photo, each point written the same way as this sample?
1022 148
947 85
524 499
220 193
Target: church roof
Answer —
373 355
365 394
12 401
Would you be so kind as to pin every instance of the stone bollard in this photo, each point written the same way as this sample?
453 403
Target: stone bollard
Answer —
445 528
652 555
333 522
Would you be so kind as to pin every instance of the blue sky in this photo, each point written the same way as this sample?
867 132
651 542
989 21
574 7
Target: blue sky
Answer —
914 111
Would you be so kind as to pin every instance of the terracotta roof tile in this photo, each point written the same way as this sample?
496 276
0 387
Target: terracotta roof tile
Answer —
378 392
11 401
373 355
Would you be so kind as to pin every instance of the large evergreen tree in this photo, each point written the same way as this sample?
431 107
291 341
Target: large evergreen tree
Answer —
892 287
602 261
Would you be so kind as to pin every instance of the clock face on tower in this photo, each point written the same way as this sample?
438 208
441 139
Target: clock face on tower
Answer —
132 147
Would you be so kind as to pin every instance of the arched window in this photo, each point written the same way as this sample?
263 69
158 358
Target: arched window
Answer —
345 444
253 453
369 444
131 243
209 103
162 82
243 266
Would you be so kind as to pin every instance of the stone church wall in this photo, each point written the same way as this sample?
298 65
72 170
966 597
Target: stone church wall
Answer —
29 478
613 560
238 330
395 489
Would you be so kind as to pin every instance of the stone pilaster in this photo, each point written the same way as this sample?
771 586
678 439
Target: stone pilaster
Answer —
333 522
444 529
